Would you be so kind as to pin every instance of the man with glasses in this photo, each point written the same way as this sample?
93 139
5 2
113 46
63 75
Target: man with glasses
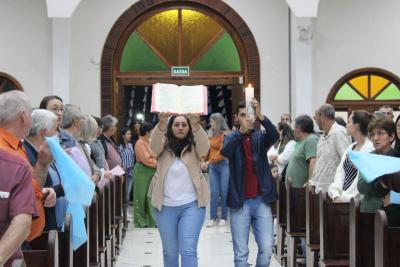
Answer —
387 111
251 186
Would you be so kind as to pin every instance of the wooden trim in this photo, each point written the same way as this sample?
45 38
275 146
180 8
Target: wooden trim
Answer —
195 74
3 85
14 81
155 50
143 9
202 52
178 80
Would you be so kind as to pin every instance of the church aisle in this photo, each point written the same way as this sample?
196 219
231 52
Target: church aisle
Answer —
142 248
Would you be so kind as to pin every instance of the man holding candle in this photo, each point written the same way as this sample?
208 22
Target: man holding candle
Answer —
251 186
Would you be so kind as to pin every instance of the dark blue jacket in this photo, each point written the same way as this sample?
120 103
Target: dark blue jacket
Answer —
233 150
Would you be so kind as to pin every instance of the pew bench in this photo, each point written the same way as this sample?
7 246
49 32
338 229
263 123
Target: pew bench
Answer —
312 227
44 251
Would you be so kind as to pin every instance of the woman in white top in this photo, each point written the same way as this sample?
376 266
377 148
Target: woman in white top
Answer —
281 153
178 190
344 186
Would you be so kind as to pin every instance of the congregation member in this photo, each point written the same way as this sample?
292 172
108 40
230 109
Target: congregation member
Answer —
282 151
382 133
218 169
331 146
274 171
143 172
302 163
178 191
386 111
15 124
17 205
344 186
44 124
286 118
72 125
251 186
98 152
111 151
127 154
54 104
396 143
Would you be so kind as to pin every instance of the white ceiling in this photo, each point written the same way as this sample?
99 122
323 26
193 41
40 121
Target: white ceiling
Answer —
304 8
61 8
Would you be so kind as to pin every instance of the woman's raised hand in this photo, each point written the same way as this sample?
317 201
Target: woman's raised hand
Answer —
194 121
163 120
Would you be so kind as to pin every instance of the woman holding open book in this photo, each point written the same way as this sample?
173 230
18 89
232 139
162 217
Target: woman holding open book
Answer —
178 191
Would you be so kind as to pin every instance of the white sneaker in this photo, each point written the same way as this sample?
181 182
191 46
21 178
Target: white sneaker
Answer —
222 222
129 215
211 223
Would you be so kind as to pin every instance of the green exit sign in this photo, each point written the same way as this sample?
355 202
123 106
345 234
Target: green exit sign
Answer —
180 71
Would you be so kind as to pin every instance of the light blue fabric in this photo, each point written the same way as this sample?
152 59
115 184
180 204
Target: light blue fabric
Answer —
78 189
219 182
372 166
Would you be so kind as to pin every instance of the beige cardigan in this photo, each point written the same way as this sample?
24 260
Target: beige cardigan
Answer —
165 159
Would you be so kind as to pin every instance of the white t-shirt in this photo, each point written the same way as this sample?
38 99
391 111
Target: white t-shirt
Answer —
178 185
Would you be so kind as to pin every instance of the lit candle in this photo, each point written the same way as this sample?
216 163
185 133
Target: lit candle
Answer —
249 93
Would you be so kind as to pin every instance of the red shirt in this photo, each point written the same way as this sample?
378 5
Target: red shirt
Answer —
16 192
251 187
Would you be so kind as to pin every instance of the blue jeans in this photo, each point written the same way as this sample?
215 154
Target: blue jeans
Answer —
257 214
179 228
219 180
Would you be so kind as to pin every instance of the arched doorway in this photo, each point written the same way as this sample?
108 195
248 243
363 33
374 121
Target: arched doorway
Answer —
367 89
153 64
8 83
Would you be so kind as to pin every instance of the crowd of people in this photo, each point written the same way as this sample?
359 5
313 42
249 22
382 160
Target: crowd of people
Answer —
166 164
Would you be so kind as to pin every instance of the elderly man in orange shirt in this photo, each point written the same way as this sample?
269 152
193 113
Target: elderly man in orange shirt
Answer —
15 123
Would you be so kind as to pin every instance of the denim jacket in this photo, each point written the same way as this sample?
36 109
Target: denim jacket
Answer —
233 150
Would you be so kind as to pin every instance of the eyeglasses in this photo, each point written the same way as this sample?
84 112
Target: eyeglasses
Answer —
377 133
56 110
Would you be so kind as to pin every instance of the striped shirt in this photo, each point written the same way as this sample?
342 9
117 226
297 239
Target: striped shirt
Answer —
127 154
350 173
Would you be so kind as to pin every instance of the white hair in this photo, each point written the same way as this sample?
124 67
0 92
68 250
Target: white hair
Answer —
42 119
11 104
70 113
89 130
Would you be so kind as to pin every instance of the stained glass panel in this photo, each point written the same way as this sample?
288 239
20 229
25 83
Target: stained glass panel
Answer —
161 32
360 83
377 84
223 56
392 92
197 31
137 56
347 93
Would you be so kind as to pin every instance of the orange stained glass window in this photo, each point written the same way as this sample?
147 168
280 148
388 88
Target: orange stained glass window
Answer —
360 84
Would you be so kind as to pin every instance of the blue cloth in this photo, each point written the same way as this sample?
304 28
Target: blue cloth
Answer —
179 228
372 166
233 150
78 188
219 181
61 203
257 214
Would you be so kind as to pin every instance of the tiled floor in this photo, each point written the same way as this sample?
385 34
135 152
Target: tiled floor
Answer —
142 248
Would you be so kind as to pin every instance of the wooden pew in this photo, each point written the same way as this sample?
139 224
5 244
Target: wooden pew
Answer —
387 242
334 232
296 219
44 251
65 243
109 221
281 222
102 228
312 227
81 255
125 207
362 253
93 233
118 213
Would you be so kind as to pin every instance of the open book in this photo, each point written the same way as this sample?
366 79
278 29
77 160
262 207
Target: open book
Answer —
179 99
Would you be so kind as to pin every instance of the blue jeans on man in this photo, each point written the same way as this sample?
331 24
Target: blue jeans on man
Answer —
257 214
179 228
219 181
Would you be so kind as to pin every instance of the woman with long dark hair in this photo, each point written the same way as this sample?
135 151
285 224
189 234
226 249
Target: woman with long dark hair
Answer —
178 190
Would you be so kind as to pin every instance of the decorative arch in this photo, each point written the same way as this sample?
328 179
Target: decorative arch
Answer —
142 10
8 83
366 88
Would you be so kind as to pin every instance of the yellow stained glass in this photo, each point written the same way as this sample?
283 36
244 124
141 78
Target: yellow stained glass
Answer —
197 31
161 33
360 84
377 84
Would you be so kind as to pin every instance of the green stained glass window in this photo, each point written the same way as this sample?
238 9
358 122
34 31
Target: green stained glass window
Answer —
347 93
390 93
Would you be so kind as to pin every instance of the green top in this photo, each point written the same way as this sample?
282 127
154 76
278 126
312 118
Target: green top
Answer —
298 169
369 203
